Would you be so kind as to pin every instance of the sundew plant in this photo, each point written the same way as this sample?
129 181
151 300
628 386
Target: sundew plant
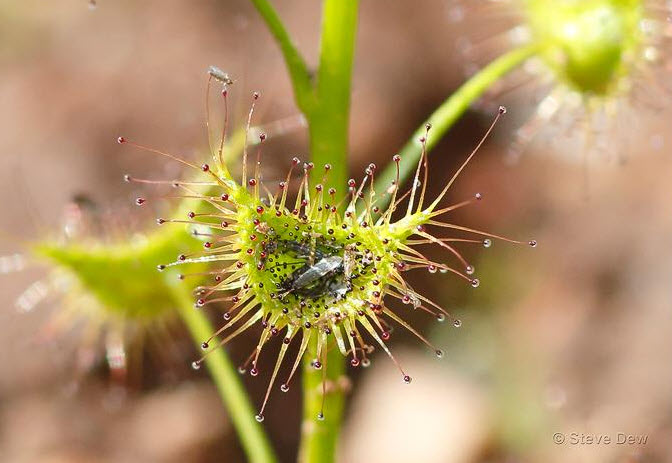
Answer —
109 294
319 259
320 267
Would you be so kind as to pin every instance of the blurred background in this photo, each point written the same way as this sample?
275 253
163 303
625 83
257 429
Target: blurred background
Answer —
571 337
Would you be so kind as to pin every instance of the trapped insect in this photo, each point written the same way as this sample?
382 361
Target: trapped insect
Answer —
322 273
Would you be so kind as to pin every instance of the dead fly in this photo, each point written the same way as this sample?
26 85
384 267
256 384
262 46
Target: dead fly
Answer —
324 277
321 272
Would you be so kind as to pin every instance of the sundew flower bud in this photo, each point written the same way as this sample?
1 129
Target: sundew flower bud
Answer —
325 266
597 61
102 281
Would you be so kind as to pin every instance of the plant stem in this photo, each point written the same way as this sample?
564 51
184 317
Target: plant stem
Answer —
252 436
326 104
447 114
319 438
328 122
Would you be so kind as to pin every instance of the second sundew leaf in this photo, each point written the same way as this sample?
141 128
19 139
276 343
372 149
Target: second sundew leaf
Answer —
111 278
123 277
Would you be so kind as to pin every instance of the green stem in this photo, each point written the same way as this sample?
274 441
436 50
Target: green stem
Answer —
328 123
326 104
253 439
319 438
450 110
